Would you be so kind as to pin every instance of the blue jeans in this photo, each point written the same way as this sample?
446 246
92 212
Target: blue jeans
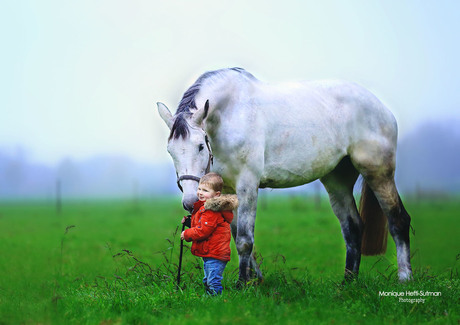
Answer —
213 270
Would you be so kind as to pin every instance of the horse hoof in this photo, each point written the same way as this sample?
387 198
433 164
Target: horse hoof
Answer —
240 284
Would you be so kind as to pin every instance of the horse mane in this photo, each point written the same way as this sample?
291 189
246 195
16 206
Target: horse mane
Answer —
187 103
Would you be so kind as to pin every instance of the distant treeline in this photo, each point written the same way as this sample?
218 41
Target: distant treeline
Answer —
428 164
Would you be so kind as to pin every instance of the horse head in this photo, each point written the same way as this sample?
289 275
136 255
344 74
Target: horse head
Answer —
189 148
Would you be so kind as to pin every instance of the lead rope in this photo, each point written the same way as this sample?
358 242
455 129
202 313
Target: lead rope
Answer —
180 254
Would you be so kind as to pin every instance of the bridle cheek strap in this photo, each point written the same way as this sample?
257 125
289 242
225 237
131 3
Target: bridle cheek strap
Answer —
208 167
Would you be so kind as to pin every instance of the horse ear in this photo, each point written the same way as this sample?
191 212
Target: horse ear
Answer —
201 114
165 114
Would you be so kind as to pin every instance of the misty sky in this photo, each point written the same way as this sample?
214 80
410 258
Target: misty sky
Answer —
81 78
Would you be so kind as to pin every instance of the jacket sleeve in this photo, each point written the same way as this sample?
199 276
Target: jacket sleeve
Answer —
204 229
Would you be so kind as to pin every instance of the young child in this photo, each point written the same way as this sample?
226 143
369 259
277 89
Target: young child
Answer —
210 229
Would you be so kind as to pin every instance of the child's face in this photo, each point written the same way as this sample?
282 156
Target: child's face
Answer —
206 192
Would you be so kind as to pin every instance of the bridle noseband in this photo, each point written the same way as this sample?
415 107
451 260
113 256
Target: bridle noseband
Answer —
208 167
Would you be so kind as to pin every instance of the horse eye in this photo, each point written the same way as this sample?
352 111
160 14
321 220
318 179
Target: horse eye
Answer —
200 147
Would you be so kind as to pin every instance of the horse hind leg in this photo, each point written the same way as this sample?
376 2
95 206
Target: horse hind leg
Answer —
378 173
339 185
398 221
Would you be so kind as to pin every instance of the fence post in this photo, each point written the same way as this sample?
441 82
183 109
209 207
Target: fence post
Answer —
58 197
135 194
318 195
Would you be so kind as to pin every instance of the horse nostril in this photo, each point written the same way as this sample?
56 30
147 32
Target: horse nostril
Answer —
188 201
187 207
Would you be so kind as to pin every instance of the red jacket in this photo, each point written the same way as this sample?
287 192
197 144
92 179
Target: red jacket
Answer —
210 227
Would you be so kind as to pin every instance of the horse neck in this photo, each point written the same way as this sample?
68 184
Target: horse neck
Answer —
222 90
223 94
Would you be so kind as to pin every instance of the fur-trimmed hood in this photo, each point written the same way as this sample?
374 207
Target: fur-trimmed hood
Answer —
223 202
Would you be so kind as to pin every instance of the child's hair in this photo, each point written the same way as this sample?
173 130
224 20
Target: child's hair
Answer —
213 180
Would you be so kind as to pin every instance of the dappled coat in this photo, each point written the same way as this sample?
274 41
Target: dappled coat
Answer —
210 227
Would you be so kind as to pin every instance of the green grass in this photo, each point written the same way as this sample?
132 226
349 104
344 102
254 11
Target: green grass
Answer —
115 262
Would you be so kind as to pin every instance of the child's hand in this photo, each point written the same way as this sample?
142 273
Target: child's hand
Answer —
182 235
187 221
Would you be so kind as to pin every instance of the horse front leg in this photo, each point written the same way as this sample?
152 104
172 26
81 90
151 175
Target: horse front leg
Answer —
247 191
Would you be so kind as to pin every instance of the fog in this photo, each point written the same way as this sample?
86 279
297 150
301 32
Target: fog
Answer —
428 161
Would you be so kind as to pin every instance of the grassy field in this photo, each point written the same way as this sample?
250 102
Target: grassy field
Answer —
115 262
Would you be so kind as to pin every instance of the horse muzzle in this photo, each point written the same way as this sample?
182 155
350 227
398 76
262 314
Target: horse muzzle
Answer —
189 189
188 200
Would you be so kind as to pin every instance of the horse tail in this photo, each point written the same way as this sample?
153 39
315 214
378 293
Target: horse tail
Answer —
375 233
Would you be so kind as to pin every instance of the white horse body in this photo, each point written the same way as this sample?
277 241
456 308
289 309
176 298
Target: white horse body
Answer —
285 135
317 122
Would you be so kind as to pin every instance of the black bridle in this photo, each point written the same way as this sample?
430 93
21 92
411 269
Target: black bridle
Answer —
208 167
